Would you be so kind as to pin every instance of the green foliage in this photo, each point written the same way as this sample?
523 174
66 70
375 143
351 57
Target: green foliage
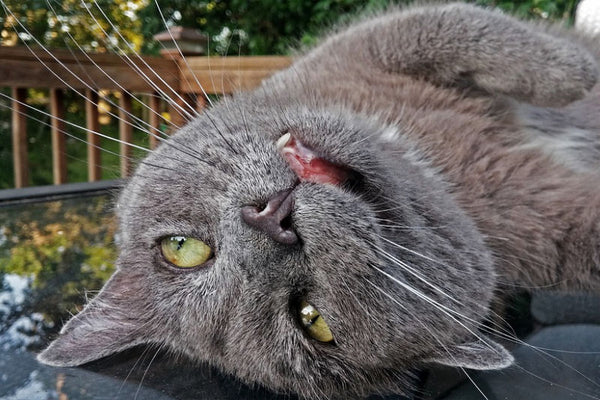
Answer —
252 27
273 27
234 26
72 23
543 9
63 246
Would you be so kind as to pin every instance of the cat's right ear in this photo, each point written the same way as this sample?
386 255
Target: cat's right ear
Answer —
111 322
480 354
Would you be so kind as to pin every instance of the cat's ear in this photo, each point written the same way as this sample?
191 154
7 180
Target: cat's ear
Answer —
479 354
111 322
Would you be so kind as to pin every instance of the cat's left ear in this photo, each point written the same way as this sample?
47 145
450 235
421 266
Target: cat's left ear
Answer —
481 354
113 321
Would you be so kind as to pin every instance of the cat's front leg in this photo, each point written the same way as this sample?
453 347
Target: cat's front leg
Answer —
459 44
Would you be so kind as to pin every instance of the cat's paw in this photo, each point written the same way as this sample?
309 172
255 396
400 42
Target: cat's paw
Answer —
543 70
463 45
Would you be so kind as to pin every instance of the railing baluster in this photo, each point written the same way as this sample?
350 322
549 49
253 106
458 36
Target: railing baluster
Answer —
125 132
19 137
201 102
155 118
93 141
216 75
179 118
59 150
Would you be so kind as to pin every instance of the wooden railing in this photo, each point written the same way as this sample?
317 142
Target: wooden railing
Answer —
22 68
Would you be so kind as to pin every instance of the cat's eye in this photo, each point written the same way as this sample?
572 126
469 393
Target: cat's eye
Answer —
314 324
185 252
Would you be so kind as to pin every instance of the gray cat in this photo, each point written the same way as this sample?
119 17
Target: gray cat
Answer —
351 220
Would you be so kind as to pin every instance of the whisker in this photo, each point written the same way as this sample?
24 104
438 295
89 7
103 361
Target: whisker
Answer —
422 278
414 272
444 347
89 131
225 100
487 329
146 371
444 309
162 17
109 77
471 380
141 73
85 97
135 146
559 385
139 359
72 74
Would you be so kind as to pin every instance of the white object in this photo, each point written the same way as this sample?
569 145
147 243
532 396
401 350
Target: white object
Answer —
587 17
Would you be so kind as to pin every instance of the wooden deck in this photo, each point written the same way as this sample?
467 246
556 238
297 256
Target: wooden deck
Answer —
149 79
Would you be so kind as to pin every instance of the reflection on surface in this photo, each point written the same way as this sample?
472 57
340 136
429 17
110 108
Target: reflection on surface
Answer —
50 255
24 379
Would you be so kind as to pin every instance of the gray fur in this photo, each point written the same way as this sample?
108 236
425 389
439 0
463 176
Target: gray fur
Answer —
416 102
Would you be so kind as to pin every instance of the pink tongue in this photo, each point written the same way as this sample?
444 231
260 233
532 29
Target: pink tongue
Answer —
309 167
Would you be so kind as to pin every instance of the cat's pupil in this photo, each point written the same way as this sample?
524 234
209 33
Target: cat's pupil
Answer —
180 242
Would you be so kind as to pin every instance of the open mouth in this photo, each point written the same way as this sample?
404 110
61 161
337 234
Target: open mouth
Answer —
309 165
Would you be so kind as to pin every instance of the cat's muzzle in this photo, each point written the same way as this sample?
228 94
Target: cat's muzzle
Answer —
275 219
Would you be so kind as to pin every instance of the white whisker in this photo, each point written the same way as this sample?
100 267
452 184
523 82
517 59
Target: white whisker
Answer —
135 146
181 53
444 347
146 371
444 309
496 332
140 72
85 97
72 74
110 78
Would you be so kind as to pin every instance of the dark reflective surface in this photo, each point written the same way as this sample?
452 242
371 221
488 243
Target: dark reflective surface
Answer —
51 256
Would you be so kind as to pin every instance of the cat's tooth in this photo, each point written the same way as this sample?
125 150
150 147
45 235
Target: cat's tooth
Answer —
282 141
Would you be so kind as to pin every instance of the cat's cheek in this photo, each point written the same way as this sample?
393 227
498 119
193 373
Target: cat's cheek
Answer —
327 218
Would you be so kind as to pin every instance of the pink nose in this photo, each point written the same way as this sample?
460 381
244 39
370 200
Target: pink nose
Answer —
275 219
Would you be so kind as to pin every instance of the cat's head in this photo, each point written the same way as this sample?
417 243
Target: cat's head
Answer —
377 272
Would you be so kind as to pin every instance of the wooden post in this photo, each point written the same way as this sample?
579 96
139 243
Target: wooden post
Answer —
59 150
179 117
19 137
201 102
125 133
155 119
93 141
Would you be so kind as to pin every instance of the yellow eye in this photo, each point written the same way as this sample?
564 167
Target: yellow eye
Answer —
314 324
185 252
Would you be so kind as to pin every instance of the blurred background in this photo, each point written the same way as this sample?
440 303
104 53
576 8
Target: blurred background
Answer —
235 27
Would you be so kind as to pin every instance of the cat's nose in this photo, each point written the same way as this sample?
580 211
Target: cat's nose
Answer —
275 219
